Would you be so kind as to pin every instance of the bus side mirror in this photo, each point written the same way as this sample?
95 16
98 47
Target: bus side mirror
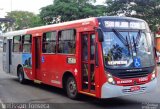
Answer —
100 35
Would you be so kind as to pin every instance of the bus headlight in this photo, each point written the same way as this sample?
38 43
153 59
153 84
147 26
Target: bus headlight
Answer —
110 79
153 76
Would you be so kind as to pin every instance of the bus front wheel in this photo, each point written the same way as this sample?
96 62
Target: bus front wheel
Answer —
71 88
21 75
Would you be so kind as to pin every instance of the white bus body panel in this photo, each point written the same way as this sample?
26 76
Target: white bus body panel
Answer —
11 60
6 56
16 60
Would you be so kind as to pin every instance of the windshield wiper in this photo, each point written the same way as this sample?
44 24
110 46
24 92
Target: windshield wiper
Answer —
128 45
138 38
135 45
122 39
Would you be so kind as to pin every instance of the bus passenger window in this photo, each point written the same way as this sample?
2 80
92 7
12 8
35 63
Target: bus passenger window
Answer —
27 42
49 42
66 41
85 47
92 42
17 44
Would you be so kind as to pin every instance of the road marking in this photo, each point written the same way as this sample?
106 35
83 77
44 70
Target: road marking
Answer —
2 105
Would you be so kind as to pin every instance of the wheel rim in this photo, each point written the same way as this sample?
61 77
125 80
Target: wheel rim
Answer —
72 88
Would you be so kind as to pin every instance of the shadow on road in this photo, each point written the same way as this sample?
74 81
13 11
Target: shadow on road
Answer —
87 101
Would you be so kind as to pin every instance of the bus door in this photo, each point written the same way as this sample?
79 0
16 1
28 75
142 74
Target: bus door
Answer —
37 58
7 55
88 61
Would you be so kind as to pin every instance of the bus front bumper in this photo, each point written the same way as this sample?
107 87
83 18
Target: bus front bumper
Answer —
109 91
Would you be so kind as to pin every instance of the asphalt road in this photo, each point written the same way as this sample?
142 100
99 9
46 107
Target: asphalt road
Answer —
11 91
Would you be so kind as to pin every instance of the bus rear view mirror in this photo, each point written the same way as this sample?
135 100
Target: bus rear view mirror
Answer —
100 35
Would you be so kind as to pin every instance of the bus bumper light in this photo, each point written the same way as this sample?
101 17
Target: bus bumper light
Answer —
110 79
108 90
153 75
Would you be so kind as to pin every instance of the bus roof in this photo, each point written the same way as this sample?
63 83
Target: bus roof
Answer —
22 32
10 35
119 18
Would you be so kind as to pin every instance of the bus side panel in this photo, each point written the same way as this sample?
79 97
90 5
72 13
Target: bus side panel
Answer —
49 69
16 60
63 66
5 57
53 68
4 61
27 65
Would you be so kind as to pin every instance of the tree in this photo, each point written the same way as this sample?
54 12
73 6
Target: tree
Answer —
68 10
149 10
24 19
5 21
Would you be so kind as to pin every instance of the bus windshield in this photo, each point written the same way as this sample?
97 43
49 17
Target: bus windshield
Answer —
127 49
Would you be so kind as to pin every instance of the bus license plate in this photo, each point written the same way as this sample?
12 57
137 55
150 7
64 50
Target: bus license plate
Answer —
135 88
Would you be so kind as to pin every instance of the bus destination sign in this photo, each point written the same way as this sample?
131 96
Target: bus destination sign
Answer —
124 24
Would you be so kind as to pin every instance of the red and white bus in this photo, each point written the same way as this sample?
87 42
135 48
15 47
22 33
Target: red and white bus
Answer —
103 57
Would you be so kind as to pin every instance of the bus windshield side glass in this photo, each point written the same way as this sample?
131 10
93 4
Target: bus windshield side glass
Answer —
127 49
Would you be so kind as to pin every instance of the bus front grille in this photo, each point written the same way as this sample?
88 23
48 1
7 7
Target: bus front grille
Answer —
131 73
124 75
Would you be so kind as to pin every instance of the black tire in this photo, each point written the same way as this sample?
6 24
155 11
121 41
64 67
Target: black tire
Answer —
71 88
21 77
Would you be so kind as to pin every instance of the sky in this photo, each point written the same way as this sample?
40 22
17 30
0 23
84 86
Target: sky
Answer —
26 5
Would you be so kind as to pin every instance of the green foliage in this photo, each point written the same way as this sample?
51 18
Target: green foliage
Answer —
70 10
24 19
149 10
